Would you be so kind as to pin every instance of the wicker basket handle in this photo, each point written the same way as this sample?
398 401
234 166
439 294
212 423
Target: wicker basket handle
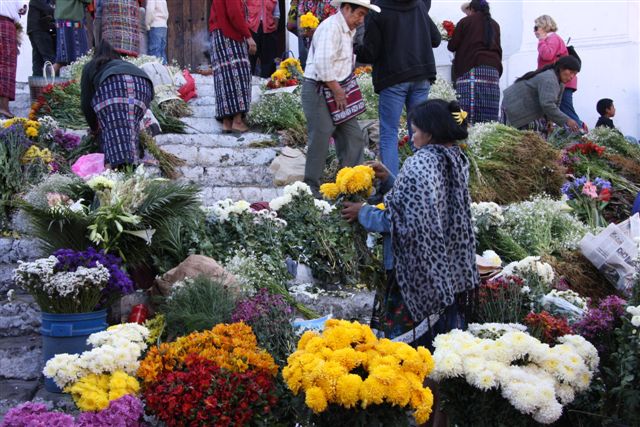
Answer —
49 65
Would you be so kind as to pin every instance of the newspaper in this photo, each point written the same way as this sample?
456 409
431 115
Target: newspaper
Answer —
614 252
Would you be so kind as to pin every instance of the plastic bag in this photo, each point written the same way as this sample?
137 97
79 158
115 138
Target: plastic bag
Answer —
88 165
188 90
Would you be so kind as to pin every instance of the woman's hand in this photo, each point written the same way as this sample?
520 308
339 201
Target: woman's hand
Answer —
252 46
573 125
381 171
351 211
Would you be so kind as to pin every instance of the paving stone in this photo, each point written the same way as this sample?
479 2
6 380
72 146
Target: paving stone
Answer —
235 156
21 357
25 249
19 317
251 194
16 391
203 111
201 125
213 139
355 305
229 176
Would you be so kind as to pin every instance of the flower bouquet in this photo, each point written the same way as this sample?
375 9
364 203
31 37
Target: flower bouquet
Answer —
547 327
446 29
588 199
510 379
62 102
350 377
289 73
215 377
308 23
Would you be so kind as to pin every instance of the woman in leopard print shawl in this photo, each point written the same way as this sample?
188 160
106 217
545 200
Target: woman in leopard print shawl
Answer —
428 215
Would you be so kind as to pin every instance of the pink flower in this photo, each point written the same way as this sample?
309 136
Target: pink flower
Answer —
55 199
590 190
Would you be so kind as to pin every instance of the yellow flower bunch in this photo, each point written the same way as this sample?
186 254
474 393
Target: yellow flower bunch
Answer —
357 180
292 67
31 127
309 20
324 367
34 153
156 326
280 75
364 69
94 392
231 346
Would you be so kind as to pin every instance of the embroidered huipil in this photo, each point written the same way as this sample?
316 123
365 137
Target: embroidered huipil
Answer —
331 54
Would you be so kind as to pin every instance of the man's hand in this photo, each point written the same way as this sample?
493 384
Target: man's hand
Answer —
381 171
351 210
252 46
338 94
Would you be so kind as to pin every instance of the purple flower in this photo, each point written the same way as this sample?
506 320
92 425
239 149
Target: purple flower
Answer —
566 189
602 183
32 414
119 281
599 322
15 133
123 412
68 141
262 304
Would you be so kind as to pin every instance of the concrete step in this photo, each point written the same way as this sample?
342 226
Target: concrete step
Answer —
210 195
202 125
228 176
214 139
208 111
221 157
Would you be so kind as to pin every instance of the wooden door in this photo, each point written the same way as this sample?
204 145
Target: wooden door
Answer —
188 32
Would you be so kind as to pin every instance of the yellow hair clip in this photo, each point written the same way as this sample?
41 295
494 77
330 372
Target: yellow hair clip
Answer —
459 116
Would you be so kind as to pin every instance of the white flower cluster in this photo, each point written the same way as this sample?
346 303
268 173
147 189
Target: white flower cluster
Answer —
223 209
543 221
116 349
323 206
635 315
549 379
297 188
39 276
265 216
492 258
48 126
486 215
280 202
533 265
442 89
494 330
477 133
569 296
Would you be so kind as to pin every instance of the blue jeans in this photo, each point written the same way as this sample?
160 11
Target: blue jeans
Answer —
390 104
157 43
566 105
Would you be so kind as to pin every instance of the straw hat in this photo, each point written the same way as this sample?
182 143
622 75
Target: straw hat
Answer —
363 3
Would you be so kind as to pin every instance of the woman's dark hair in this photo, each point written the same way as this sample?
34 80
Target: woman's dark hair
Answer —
104 53
481 6
435 117
567 62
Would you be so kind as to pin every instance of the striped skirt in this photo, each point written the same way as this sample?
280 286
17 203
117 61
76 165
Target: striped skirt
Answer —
8 58
479 94
71 41
120 103
231 75
121 25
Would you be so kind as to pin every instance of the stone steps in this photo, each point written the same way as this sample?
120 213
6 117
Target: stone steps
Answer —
210 195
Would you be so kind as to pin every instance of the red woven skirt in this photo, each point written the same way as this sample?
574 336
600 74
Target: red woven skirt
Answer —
8 58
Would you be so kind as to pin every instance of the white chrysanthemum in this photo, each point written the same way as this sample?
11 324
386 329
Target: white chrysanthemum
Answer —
549 413
584 348
240 206
279 202
323 206
101 182
296 188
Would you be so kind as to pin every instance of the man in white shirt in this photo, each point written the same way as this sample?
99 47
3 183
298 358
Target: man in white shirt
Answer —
157 16
331 61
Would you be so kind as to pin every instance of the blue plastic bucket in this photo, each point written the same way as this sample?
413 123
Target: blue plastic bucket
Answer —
67 333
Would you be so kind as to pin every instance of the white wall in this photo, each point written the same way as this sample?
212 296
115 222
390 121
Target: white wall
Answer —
605 33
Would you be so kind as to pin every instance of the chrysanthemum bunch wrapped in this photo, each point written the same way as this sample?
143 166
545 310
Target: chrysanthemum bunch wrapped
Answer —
116 349
231 346
309 21
535 378
346 370
289 73
534 271
351 182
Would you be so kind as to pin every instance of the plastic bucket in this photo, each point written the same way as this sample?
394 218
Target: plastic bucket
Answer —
67 333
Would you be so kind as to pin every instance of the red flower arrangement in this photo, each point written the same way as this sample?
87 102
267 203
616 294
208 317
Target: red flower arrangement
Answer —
587 148
449 27
546 327
201 393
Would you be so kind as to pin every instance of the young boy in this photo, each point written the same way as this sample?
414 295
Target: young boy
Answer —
157 16
606 109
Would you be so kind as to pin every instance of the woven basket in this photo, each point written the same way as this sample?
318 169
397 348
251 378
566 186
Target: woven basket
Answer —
37 83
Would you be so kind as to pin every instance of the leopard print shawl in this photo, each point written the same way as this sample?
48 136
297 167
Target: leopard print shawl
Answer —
431 231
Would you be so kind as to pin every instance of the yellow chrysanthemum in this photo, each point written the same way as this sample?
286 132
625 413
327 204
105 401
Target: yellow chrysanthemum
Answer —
424 410
31 132
348 390
316 400
291 65
372 392
309 20
280 75
399 392
329 190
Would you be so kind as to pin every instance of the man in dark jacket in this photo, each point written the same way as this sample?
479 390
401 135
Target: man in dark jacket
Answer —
399 43
41 29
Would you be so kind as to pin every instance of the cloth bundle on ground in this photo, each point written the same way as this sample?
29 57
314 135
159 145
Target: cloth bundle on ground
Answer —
192 267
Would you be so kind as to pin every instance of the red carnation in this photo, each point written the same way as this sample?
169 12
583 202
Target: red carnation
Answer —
605 195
